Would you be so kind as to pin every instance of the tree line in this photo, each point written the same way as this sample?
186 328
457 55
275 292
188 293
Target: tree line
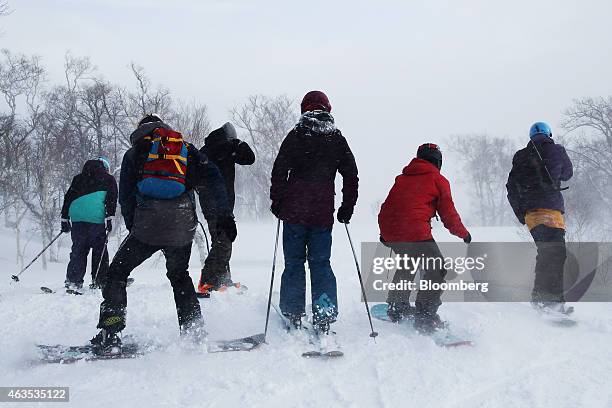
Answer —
48 131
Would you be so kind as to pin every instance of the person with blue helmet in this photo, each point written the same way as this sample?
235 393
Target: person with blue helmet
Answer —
88 206
535 194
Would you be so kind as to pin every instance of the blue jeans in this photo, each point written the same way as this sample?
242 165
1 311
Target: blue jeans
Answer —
302 242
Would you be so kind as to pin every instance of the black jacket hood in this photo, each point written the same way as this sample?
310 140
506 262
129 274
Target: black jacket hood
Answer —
146 129
93 167
222 134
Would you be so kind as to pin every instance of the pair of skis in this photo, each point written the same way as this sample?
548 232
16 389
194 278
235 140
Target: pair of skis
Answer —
70 291
319 341
61 354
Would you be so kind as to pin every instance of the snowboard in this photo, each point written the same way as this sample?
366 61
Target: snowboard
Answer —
243 344
60 354
443 338
240 289
315 339
557 318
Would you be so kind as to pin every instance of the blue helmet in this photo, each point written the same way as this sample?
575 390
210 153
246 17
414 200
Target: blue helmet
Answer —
540 128
105 162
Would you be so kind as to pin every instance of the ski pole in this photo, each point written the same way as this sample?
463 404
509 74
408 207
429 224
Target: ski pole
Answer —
95 276
16 277
373 334
205 237
272 279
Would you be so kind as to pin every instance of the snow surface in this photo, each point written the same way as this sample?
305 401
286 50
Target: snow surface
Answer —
518 360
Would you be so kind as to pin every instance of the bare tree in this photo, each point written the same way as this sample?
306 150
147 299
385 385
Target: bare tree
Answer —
146 100
265 121
487 160
48 132
192 121
21 78
4 10
591 153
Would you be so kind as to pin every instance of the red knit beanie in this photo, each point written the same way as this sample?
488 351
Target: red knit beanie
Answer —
315 100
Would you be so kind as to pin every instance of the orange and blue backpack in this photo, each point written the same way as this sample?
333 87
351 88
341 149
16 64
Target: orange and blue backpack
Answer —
164 171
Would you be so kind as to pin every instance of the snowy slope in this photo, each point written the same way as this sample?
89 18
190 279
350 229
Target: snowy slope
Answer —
518 361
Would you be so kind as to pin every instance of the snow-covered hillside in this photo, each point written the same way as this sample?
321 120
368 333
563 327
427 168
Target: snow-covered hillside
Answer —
518 359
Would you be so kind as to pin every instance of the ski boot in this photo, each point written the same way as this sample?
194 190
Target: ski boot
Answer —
428 323
194 333
400 311
552 307
295 320
73 288
426 320
106 342
323 328
204 290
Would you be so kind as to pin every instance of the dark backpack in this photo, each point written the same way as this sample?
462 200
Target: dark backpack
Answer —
533 174
164 170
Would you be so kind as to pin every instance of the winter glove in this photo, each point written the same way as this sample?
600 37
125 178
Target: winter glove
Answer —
468 238
109 224
345 213
235 143
275 208
66 227
227 225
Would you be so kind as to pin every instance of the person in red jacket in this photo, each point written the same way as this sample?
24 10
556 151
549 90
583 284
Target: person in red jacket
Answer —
419 193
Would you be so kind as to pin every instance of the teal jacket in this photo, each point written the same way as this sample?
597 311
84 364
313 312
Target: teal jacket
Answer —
92 195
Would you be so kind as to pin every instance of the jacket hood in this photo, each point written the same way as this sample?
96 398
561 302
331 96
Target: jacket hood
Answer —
93 167
419 166
319 122
146 129
223 134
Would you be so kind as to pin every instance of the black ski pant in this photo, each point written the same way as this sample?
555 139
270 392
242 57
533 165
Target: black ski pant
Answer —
427 301
87 236
216 269
550 261
131 254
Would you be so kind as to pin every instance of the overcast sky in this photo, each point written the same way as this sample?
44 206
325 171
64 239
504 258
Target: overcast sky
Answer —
398 73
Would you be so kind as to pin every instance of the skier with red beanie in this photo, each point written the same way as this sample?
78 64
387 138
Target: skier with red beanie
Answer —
419 193
302 194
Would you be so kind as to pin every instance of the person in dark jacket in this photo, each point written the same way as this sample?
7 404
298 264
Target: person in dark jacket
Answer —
160 224
302 194
534 192
89 204
419 193
225 150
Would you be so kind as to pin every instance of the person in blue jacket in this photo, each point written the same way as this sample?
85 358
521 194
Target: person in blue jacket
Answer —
89 204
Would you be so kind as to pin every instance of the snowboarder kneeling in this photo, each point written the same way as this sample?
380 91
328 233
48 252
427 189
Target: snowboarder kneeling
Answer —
534 192
404 220
225 150
158 175
89 204
302 194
